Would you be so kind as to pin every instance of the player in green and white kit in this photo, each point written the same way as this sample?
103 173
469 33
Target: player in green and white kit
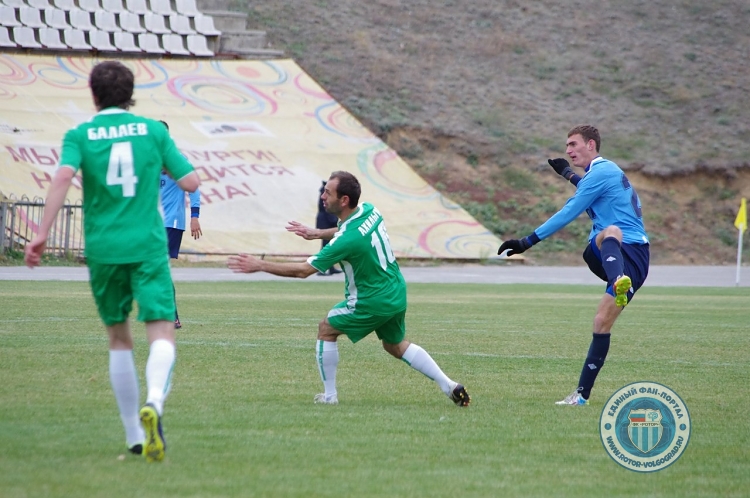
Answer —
375 291
120 157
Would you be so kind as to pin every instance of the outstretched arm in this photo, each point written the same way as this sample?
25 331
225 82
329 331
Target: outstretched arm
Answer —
309 233
244 263
55 200
515 246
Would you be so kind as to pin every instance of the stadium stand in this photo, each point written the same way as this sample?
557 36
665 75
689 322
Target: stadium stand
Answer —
5 40
187 8
198 46
76 39
8 17
173 45
180 24
162 7
105 21
89 5
31 17
205 26
66 5
24 37
113 6
50 38
136 6
131 22
149 42
80 19
125 42
155 23
55 18
101 40
153 28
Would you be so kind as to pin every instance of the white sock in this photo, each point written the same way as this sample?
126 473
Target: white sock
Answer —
124 381
418 359
327 354
159 372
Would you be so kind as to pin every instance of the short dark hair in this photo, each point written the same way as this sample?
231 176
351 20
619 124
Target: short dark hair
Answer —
112 85
349 186
588 132
164 123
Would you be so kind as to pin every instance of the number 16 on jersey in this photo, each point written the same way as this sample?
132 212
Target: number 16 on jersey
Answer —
382 245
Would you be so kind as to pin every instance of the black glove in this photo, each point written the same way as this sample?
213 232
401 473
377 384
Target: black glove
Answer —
516 246
561 167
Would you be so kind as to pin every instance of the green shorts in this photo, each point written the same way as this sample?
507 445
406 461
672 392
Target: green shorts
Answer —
115 286
356 325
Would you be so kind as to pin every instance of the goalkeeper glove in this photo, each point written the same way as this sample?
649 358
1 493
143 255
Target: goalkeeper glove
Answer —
515 246
561 167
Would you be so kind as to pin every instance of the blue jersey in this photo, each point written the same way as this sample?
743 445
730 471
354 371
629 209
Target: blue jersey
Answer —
173 203
608 198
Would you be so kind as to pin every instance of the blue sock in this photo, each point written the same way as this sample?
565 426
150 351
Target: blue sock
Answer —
612 261
594 362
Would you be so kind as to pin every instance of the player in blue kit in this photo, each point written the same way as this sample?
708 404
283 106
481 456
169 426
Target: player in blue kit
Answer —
618 248
173 207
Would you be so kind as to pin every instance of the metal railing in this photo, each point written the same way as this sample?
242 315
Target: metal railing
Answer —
19 219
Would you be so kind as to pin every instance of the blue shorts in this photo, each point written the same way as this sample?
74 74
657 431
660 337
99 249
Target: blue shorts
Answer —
174 238
636 260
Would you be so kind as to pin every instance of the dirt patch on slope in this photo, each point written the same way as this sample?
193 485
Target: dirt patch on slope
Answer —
477 95
689 215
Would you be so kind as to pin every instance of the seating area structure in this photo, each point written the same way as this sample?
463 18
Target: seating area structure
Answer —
128 27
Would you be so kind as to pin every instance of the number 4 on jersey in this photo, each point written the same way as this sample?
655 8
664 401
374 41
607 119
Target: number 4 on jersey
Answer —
120 169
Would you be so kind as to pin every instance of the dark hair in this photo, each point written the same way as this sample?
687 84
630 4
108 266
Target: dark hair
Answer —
588 132
164 123
348 185
112 85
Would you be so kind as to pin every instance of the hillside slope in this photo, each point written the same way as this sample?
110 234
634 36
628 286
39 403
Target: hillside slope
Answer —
477 95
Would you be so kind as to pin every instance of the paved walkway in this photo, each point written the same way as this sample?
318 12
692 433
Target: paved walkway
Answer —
659 276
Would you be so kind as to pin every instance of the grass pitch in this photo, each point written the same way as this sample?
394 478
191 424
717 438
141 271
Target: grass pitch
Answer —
240 419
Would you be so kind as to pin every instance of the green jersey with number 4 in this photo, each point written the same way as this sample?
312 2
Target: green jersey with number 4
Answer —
120 157
374 283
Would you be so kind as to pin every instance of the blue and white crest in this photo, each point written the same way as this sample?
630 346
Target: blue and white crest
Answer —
645 429
645 426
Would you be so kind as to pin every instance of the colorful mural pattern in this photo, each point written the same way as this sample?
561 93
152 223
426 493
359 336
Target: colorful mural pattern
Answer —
261 135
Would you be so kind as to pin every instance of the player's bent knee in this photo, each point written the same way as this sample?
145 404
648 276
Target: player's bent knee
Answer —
396 350
326 332
389 348
612 231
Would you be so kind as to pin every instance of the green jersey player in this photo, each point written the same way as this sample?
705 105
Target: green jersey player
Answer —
120 157
375 291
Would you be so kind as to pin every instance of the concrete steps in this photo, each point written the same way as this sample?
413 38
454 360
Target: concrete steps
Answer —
235 38
247 43
225 20
227 5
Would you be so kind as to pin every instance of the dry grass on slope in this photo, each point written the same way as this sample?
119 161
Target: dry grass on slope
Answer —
480 93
